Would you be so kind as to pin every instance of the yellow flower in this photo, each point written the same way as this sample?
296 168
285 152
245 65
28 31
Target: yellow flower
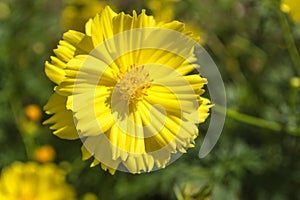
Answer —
192 190
165 10
291 7
295 82
167 6
5 11
31 181
125 88
89 196
77 12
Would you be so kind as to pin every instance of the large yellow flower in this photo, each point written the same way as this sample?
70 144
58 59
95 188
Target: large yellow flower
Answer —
123 88
31 181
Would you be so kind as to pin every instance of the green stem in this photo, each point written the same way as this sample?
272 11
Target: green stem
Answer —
27 139
262 123
29 146
259 122
289 39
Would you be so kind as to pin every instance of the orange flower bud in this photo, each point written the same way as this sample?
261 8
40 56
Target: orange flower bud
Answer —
33 112
44 154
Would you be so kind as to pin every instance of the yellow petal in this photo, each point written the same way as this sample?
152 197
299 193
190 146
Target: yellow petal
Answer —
95 163
100 147
186 67
65 51
102 27
80 41
62 119
93 116
85 153
171 100
174 25
122 22
180 27
55 72
160 57
196 81
168 132
74 43
144 21
105 168
86 72
125 142
204 109
88 27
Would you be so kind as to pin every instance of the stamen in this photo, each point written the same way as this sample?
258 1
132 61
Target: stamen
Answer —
133 84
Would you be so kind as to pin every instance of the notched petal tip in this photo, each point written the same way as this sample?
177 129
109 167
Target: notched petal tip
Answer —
95 163
62 119
85 153
110 170
54 72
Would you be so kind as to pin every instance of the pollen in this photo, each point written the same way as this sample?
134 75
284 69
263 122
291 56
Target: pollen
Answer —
134 83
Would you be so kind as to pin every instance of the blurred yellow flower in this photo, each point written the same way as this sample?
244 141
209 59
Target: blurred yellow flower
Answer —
89 196
44 154
164 10
77 12
292 7
31 181
295 82
33 112
4 11
167 6
126 86
192 190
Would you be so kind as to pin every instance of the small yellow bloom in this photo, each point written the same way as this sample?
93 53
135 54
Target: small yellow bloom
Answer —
165 10
295 82
31 181
292 7
77 12
89 196
192 190
125 87
44 154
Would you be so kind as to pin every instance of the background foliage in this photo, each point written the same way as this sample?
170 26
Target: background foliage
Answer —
253 44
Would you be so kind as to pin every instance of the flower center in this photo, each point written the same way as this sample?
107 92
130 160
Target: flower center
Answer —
133 84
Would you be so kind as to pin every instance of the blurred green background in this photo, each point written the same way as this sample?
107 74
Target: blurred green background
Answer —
255 46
